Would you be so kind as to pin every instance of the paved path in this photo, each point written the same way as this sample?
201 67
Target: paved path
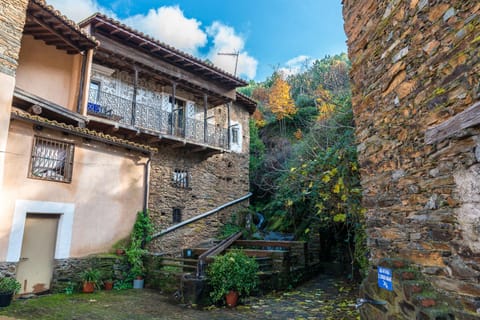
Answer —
323 297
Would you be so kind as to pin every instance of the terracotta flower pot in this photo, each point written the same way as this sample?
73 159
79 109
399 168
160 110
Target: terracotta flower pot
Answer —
232 298
108 285
88 287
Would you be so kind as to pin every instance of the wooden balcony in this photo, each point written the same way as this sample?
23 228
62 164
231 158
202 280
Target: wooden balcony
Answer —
155 121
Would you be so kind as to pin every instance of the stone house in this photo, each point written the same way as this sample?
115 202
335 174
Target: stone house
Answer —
95 128
416 99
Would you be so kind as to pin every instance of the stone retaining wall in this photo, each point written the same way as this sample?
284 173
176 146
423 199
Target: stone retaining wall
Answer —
68 271
415 65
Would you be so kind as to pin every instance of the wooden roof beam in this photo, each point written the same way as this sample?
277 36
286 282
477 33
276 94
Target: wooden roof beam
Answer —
52 30
164 67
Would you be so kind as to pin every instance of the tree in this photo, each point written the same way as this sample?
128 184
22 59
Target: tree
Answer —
280 101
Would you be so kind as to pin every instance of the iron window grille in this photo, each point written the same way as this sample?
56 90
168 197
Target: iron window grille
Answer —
180 178
51 160
177 215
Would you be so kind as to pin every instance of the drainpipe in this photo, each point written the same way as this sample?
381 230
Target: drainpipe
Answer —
146 183
146 191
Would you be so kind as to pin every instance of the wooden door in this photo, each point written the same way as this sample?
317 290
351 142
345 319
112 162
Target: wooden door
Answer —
35 268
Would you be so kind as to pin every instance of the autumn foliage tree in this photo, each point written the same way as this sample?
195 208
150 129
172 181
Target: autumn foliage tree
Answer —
279 100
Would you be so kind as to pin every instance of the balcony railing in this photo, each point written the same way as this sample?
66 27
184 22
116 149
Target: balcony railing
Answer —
154 118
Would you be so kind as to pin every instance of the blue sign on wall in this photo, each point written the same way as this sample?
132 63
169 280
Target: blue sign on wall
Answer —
385 278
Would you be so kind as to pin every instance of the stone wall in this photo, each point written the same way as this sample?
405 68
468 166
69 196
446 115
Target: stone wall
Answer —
67 272
8 269
12 20
415 64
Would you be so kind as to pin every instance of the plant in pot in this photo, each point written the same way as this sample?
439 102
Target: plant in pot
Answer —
90 280
8 287
135 255
232 275
108 281
135 252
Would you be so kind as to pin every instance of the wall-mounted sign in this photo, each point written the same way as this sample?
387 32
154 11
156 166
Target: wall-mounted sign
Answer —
385 278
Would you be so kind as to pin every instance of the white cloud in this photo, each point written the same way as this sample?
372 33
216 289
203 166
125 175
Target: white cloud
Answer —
78 10
226 40
169 24
296 65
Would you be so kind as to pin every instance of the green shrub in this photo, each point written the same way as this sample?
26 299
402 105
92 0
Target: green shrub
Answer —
9 285
232 271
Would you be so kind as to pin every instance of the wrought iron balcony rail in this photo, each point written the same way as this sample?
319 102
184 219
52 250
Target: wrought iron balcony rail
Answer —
155 118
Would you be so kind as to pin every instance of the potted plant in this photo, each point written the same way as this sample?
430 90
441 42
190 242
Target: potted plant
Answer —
8 287
140 236
135 255
232 275
90 280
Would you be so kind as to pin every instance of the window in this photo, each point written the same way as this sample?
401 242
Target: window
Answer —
94 91
51 160
235 133
177 215
180 178
178 112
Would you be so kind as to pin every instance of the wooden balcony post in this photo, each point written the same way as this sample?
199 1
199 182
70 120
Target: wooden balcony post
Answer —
174 92
205 128
134 100
228 124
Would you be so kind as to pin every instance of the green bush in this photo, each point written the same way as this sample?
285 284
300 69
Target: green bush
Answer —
9 285
232 271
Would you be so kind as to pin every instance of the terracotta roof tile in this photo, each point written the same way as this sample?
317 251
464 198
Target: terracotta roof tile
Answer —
66 21
197 61
95 135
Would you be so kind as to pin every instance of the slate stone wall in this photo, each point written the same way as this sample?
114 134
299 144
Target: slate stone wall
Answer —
213 181
415 64
12 20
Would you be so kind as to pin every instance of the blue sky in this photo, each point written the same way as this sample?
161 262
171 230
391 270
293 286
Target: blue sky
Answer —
267 33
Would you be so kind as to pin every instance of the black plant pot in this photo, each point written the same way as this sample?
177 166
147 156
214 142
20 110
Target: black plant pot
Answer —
5 299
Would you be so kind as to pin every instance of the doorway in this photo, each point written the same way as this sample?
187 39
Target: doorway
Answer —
35 267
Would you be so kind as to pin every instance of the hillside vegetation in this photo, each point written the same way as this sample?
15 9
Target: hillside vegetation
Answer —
304 170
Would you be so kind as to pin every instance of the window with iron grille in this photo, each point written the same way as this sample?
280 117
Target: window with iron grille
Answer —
51 160
180 178
177 215
235 132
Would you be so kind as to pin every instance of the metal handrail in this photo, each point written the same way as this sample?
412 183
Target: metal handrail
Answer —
201 216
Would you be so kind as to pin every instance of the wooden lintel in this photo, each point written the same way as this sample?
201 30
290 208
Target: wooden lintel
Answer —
467 118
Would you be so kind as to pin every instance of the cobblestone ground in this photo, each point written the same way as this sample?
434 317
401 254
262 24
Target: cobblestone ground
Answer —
323 297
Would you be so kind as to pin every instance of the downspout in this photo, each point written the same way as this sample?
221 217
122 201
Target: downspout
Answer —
146 182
